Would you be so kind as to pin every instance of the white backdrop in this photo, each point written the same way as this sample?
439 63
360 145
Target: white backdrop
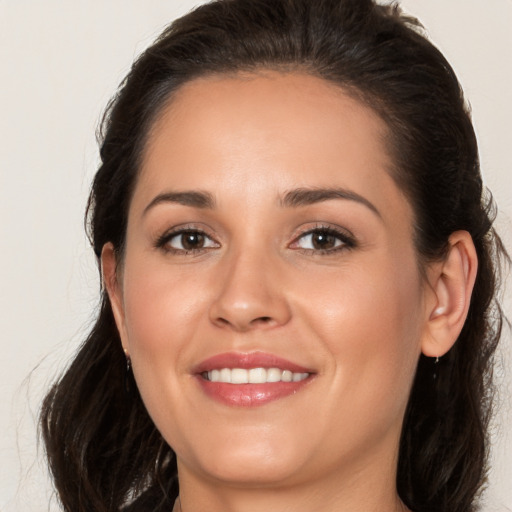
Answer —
60 60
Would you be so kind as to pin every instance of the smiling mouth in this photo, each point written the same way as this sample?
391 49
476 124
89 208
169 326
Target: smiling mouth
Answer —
250 379
253 375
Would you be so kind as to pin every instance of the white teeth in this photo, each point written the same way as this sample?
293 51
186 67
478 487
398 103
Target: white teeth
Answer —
257 376
274 375
287 376
239 376
254 375
225 375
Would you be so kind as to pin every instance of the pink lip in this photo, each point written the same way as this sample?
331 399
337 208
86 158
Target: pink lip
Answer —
249 395
247 361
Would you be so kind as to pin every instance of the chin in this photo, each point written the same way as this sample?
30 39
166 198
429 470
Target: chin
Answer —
251 471
248 464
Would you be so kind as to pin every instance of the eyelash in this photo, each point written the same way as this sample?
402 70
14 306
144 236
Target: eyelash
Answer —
163 241
347 241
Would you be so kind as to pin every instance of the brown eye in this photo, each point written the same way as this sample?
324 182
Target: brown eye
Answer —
187 241
191 241
324 241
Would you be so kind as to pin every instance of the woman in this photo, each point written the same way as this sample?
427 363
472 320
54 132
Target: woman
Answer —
299 268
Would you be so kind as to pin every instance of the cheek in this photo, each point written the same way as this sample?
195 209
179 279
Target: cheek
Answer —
162 312
158 300
370 320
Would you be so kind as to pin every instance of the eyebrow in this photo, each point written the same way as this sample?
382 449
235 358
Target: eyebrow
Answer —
307 196
195 199
292 199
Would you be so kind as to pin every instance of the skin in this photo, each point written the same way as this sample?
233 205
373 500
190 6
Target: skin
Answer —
359 317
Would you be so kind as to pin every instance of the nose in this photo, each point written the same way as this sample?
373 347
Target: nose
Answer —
251 295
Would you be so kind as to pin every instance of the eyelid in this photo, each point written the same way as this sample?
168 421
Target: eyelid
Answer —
347 238
162 240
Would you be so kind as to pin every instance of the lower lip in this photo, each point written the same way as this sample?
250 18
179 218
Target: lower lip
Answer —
250 395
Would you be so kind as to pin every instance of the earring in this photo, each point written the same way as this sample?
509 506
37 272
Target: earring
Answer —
128 361
127 385
436 362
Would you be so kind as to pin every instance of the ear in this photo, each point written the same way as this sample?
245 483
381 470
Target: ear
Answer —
111 281
451 283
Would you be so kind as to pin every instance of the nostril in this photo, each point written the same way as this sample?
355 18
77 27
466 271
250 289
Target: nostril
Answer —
243 325
262 319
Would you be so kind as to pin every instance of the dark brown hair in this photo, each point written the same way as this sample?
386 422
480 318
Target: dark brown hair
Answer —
104 451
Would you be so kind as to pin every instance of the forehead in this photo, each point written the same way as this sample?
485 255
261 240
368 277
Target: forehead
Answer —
229 111
238 134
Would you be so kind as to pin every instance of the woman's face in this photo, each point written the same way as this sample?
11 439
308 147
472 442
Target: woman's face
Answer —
267 242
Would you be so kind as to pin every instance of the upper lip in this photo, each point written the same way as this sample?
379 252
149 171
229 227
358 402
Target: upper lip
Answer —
248 361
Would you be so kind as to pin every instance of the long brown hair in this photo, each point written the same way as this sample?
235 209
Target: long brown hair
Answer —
104 451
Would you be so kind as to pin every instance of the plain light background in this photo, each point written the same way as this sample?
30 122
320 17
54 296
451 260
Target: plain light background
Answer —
60 61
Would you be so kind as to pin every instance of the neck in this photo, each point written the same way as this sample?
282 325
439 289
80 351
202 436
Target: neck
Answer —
400 507
360 491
